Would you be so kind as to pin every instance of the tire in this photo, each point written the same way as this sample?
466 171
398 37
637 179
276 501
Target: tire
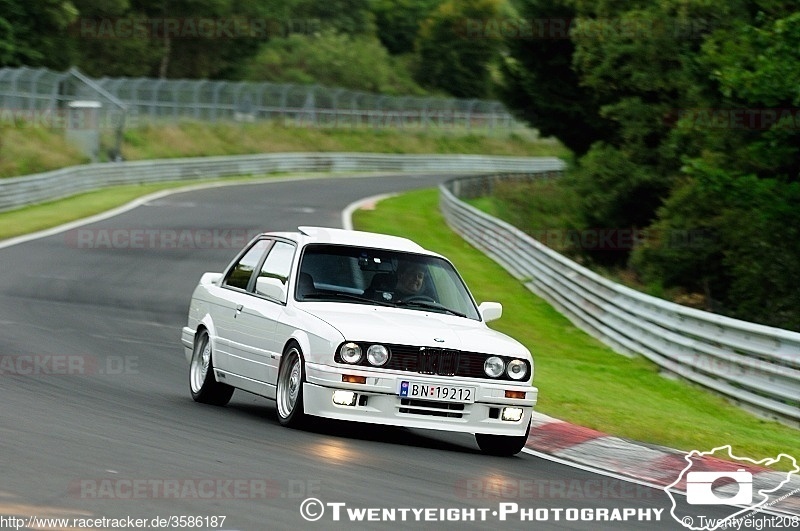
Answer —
289 393
202 383
502 445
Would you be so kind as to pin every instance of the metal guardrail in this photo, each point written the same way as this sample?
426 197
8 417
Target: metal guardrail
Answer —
756 366
20 191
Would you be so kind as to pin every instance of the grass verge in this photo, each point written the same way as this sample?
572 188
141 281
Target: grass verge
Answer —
27 149
196 139
580 380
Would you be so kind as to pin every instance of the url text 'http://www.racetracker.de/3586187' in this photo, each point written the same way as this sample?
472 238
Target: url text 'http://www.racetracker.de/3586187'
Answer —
123 522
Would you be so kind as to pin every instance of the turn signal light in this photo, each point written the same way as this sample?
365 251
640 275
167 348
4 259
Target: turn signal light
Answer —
515 394
352 378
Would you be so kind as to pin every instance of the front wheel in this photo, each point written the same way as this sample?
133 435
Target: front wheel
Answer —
502 445
289 395
204 386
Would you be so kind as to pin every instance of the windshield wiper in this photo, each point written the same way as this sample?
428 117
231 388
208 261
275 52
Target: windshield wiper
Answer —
430 305
349 296
342 295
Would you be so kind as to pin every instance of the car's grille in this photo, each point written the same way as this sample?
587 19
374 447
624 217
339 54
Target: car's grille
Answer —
431 408
434 361
437 361
444 362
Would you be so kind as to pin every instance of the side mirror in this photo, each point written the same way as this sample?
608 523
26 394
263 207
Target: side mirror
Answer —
271 287
490 311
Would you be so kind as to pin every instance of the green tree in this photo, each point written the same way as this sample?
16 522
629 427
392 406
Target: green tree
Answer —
453 60
356 62
734 239
176 38
754 68
102 50
640 64
352 17
688 111
33 33
742 188
398 22
539 81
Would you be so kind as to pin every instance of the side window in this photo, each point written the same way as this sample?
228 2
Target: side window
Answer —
273 278
239 275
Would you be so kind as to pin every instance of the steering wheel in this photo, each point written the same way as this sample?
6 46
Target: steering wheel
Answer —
420 298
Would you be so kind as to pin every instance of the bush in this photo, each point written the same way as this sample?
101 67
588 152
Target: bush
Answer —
332 59
616 193
452 60
739 246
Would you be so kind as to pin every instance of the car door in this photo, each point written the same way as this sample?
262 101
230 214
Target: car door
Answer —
256 319
232 296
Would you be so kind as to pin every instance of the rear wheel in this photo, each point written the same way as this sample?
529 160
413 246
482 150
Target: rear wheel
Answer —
204 386
502 445
289 395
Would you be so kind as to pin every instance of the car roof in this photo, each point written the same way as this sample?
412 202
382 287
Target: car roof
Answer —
326 235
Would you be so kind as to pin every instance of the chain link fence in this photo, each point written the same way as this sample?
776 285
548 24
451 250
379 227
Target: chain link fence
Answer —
45 96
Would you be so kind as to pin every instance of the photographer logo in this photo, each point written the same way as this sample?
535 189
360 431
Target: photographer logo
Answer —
744 490
719 488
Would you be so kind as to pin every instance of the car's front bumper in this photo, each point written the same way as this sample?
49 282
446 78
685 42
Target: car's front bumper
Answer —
187 340
383 405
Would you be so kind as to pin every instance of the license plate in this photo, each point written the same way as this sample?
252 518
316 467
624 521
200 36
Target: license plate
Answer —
441 393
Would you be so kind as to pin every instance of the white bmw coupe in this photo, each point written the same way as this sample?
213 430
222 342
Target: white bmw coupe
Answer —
360 327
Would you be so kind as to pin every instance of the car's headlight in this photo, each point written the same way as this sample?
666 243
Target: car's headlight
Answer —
494 366
517 370
377 355
350 353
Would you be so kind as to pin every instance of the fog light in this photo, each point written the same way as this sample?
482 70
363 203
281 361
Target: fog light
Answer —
512 414
344 398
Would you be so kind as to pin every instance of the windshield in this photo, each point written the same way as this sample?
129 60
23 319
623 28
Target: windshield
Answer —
382 277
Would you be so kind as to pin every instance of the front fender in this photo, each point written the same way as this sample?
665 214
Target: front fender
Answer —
189 333
315 349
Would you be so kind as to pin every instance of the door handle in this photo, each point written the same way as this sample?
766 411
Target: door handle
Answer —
238 310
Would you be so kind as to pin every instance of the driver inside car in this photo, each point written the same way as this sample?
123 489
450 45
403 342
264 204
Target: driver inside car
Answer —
410 280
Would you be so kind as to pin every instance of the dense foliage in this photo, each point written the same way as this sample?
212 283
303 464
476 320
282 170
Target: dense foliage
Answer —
333 59
685 116
386 46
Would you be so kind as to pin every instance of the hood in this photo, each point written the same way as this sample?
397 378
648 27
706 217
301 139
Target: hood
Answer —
401 326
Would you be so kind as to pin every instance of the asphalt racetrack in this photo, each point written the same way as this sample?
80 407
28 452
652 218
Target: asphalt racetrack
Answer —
97 423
